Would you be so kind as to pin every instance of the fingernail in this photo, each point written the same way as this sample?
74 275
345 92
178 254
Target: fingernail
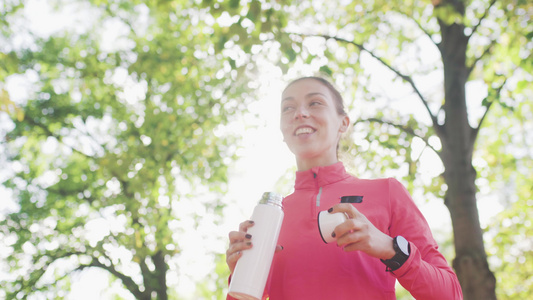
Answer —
249 243
333 234
248 236
251 222
281 247
330 210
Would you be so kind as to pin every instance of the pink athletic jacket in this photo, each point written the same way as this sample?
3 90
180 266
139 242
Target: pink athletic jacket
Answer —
307 268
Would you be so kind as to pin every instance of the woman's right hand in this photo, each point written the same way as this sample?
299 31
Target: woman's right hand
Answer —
238 241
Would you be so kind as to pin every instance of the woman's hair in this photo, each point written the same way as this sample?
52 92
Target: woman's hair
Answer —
339 102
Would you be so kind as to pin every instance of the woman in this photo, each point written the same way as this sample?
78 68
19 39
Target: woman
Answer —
385 238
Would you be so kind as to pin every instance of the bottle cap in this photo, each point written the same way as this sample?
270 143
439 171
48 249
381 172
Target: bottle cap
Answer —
327 223
271 198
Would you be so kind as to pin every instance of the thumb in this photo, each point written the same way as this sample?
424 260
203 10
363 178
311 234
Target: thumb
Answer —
279 248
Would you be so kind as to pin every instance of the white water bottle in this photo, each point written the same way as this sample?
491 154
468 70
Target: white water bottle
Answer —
251 272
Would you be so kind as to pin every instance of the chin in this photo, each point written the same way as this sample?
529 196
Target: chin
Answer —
303 155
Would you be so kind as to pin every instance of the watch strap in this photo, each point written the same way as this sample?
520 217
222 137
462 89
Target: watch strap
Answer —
403 250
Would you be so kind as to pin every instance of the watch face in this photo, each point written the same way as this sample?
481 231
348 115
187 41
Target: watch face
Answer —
403 244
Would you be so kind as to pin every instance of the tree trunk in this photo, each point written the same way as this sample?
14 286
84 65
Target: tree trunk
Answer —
161 269
457 136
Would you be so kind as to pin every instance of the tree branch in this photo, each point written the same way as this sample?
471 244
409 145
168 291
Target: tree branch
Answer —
403 128
91 136
146 274
485 14
485 52
37 271
427 33
56 136
126 280
475 131
398 73
51 257
483 117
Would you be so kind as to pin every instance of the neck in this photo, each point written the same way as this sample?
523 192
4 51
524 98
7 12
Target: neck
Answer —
307 164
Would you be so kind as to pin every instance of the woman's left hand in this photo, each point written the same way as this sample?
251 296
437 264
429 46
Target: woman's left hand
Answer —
357 233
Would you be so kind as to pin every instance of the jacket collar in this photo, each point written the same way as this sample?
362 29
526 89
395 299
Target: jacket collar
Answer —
320 176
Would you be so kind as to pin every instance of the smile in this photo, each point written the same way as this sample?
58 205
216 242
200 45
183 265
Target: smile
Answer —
304 130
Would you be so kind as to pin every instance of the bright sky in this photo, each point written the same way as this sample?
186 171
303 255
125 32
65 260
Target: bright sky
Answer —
264 159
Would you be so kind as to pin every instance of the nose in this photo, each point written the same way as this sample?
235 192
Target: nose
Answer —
301 113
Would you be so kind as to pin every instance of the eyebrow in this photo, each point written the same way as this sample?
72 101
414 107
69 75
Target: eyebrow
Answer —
306 96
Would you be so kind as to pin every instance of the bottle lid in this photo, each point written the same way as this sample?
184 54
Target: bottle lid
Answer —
271 198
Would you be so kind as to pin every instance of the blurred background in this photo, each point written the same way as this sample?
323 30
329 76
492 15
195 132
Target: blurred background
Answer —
134 135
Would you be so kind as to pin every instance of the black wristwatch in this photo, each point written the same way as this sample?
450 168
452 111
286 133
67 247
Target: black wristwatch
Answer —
403 249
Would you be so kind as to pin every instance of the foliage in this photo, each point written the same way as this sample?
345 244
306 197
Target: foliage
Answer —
356 43
398 38
121 136
505 164
215 285
111 141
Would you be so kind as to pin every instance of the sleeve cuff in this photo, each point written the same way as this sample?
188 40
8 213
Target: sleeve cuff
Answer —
413 255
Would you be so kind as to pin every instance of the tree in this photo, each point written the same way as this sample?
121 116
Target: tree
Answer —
111 140
506 165
84 148
475 41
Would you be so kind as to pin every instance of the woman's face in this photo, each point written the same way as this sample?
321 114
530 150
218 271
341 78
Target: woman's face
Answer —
310 123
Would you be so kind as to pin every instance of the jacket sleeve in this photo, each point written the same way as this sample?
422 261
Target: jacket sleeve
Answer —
426 274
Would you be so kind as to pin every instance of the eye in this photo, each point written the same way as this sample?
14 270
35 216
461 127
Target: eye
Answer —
286 108
315 103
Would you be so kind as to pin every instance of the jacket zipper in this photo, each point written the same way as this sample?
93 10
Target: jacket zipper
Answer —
318 197
317 200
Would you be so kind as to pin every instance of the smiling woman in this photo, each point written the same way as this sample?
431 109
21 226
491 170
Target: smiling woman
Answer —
384 237
312 121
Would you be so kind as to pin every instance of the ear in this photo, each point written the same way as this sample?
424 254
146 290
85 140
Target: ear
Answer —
345 124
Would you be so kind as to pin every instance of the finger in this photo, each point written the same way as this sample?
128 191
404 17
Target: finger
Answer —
238 236
377 245
347 208
245 225
231 260
234 253
279 248
232 256
238 247
351 225
350 231
357 246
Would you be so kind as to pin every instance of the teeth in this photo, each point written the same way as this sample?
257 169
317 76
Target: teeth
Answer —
303 130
